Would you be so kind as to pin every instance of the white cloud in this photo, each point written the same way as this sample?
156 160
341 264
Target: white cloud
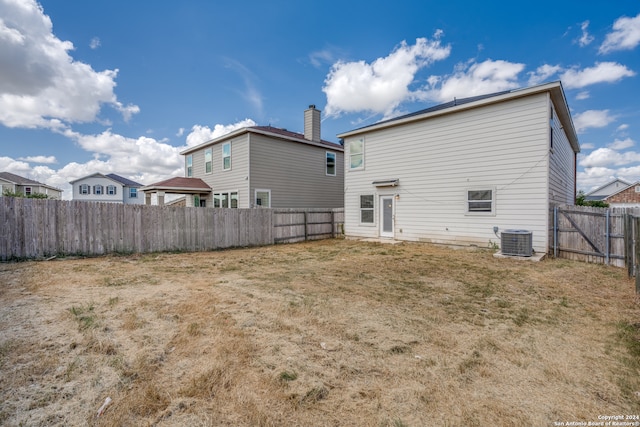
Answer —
200 134
180 132
592 119
602 72
622 128
587 146
543 73
606 157
95 43
39 159
586 38
625 35
621 144
583 95
381 86
476 79
41 85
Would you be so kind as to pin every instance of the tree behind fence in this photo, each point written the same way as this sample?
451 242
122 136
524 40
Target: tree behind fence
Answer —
34 228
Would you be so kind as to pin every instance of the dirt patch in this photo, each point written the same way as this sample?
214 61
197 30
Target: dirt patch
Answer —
332 333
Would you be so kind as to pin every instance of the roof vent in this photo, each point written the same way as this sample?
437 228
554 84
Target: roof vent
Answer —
516 242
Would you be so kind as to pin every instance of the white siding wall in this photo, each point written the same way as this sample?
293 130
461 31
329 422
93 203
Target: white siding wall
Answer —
500 146
219 180
133 201
561 167
96 180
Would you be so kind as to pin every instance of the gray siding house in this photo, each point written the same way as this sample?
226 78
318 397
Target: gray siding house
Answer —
18 184
456 172
262 166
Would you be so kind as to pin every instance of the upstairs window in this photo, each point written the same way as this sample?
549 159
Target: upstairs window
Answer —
263 198
189 166
331 164
480 201
84 189
98 189
208 159
356 154
226 156
111 190
133 193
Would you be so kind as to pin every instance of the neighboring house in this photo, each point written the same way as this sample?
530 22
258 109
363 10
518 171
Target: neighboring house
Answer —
18 184
627 197
107 188
456 172
262 166
607 189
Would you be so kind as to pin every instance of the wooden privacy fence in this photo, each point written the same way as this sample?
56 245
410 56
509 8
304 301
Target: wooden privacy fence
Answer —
35 228
600 235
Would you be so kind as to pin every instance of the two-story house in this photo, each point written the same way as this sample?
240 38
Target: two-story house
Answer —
261 166
463 172
17 184
107 188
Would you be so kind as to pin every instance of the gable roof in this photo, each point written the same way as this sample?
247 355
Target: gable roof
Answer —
122 180
554 89
20 180
624 183
113 177
622 189
267 131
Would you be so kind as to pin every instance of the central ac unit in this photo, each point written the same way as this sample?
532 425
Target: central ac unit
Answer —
516 242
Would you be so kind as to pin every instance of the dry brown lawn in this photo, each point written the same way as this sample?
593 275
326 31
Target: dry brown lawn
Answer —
335 333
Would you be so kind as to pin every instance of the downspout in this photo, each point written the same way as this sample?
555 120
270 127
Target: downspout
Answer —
575 176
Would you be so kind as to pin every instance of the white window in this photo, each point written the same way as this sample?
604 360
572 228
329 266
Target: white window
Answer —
111 190
98 189
133 193
226 156
227 199
356 154
637 188
84 188
481 201
331 163
208 159
366 209
189 166
27 191
263 198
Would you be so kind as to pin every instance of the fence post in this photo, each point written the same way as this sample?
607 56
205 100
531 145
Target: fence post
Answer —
555 231
637 249
306 232
607 235
628 244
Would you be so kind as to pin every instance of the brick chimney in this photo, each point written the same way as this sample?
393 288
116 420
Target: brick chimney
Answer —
312 124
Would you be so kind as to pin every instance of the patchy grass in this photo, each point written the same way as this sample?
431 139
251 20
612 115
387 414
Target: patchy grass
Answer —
323 333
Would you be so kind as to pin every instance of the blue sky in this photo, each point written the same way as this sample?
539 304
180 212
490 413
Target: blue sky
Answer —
123 86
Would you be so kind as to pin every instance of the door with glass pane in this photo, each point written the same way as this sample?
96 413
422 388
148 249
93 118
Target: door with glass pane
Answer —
386 216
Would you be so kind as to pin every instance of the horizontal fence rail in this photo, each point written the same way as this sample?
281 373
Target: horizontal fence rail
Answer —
36 228
597 235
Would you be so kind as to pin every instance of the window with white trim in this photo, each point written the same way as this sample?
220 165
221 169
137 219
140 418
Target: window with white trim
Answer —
133 193
356 154
111 190
263 198
227 199
481 201
226 156
98 189
84 189
366 209
208 159
330 163
189 165
27 191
